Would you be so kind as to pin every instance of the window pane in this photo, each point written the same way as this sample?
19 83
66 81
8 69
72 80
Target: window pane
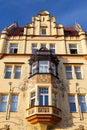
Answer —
43 67
69 72
82 103
41 100
34 68
13 48
72 103
46 100
78 72
43 96
8 71
17 72
73 49
3 103
33 99
14 103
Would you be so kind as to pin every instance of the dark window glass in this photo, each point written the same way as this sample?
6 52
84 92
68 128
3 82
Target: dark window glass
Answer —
8 71
82 103
68 72
17 72
73 49
14 103
72 103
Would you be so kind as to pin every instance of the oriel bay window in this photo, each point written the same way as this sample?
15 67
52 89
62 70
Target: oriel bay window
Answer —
43 62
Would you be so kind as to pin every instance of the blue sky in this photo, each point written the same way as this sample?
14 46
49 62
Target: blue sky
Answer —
67 12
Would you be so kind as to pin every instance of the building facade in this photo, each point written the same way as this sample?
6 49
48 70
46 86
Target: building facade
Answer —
43 82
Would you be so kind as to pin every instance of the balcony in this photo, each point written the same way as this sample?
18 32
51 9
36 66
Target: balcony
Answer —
43 114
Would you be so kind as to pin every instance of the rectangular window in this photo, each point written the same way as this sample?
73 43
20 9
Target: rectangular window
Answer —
52 48
34 68
33 99
14 103
43 96
43 31
43 67
8 71
78 72
13 48
72 103
34 48
82 103
3 103
68 72
73 49
17 73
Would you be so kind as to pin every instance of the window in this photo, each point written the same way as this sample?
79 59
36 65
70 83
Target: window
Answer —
43 31
8 71
82 103
34 48
72 103
73 49
3 103
69 72
14 103
43 96
34 68
54 99
13 48
17 72
43 67
32 99
78 72
12 71
52 48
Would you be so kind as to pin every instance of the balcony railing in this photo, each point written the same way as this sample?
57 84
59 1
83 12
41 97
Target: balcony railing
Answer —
45 112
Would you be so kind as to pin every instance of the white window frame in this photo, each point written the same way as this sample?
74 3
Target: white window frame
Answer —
43 66
73 49
78 71
14 48
69 71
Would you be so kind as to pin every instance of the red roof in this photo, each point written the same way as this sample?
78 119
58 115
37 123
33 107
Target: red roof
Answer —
16 31
70 31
